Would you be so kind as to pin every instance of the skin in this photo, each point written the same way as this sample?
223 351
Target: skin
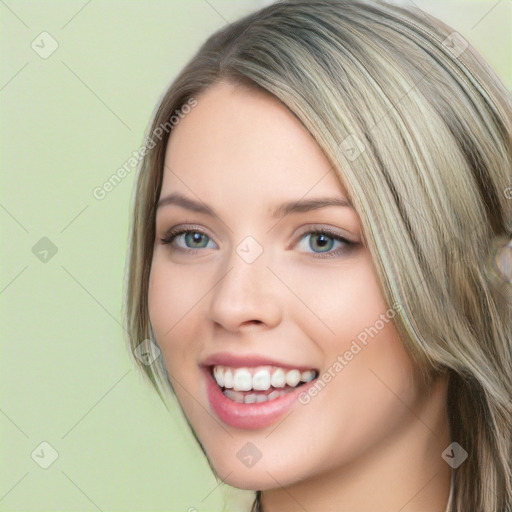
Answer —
371 440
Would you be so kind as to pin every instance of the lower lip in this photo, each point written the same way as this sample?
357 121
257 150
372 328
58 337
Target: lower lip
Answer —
249 416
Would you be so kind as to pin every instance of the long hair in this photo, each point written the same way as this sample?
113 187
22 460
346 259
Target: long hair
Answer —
418 129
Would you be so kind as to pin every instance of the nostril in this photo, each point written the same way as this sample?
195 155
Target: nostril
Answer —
251 322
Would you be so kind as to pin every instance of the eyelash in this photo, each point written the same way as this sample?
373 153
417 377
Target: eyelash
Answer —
173 233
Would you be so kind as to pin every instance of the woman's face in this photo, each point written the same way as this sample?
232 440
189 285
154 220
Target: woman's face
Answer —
253 290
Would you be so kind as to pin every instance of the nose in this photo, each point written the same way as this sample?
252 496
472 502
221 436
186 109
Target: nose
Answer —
245 295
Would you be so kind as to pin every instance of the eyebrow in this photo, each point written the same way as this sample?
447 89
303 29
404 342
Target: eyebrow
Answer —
282 210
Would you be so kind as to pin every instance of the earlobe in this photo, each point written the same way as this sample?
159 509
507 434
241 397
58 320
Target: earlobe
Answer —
503 261
499 267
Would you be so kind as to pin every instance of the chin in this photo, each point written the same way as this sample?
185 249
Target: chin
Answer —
262 476
253 482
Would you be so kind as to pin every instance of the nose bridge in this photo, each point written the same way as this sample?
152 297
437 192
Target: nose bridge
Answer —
245 292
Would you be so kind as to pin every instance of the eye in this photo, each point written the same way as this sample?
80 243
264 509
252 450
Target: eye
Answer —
322 241
191 238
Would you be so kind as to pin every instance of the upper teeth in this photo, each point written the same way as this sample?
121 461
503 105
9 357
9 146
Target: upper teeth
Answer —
259 378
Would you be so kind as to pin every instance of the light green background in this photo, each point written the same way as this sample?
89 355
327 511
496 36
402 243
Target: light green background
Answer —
68 122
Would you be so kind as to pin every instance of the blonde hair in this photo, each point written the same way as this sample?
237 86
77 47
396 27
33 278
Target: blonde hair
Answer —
418 129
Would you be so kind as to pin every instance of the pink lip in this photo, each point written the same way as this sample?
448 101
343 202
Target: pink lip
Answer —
238 361
249 416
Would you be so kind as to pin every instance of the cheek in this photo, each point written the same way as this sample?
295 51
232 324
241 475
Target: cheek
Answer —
369 372
376 363
172 303
342 301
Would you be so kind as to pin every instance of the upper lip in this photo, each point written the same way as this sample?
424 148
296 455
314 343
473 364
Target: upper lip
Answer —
244 360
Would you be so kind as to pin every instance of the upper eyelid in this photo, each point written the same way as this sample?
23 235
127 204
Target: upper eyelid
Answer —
190 224
313 227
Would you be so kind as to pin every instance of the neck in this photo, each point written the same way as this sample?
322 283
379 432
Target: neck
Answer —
406 473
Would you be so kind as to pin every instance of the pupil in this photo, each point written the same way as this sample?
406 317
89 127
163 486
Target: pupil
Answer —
322 237
323 241
196 237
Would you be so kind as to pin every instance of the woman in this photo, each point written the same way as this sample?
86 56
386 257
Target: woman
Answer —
317 250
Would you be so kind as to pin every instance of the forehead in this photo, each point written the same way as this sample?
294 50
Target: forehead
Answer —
247 144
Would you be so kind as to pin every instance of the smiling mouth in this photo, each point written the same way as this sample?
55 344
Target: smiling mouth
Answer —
249 385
